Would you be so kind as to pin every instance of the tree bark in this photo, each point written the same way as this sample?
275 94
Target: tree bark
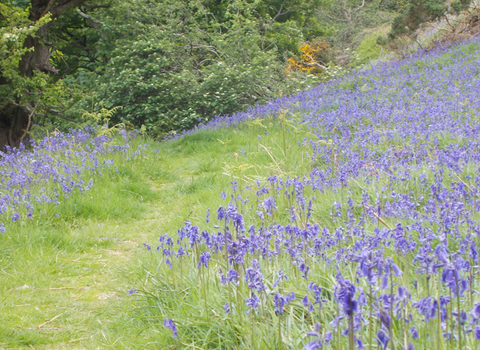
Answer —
15 119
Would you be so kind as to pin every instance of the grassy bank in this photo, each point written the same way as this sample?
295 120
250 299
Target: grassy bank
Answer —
346 216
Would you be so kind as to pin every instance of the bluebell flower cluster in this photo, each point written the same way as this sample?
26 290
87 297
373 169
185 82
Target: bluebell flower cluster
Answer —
395 153
51 170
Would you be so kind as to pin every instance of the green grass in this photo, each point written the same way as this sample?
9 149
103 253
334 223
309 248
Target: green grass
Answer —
369 49
64 279
65 274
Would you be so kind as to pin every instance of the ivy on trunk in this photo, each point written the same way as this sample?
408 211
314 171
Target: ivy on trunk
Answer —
27 84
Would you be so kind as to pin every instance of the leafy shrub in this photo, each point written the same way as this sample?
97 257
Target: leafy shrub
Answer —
370 47
420 11
173 66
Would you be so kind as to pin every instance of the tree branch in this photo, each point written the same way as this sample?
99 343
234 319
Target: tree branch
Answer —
58 114
358 8
56 11
314 63
279 13
337 19
29 122
93 7
48 7
90 18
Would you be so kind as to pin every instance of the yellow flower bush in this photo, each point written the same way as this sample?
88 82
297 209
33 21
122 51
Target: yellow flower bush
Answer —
308 62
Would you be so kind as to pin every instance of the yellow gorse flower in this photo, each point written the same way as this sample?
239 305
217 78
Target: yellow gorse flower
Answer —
307 62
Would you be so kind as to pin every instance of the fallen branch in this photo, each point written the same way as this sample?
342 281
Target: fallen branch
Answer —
78 339
60 288
378 217
463 182
279 169
49 321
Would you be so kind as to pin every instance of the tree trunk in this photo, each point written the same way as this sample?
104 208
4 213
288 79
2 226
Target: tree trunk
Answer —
14 123
15 119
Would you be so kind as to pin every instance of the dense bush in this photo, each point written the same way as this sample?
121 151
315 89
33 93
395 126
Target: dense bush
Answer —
420 11
173 64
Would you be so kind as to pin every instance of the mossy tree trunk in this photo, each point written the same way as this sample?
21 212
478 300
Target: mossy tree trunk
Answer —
16 119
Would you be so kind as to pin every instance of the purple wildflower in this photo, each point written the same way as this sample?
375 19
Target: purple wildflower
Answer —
168 323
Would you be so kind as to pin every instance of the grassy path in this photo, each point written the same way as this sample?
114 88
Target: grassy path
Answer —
64 299
64 280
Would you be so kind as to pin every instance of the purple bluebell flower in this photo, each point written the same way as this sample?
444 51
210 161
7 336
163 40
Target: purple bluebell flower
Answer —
226 308
345 295
477 332
414 332
204 258
307 303
169 263
221 213
232 276
385 318
317 292
280 276
181 252
359 343
304 269
281 301
168 323
254 277
382 339
252 302
223 279
316 343
328 337
476 311
313 345
427 307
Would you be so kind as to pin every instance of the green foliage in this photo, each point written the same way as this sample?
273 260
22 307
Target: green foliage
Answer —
293 21
371 46
33 92
76 41
15 27
350 23
175 64
172 64
347 19
102 119
417 12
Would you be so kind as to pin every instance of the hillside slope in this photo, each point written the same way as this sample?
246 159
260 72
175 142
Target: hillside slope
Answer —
348 211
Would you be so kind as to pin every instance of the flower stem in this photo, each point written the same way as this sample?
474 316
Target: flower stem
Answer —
390 330
279 334
370 320
351 339
458 313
